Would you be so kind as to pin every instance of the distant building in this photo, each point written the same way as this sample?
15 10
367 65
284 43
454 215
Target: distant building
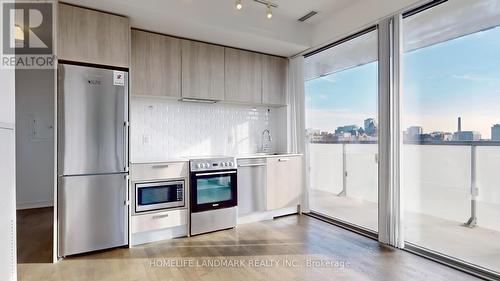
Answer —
414 133
313 131
347 136
370 127
351 129
466 136
495 132
321 137
441 136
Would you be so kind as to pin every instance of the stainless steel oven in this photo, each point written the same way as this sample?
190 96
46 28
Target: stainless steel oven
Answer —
213 196
158 195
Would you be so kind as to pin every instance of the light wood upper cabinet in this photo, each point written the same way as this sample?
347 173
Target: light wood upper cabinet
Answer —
155 65
243 76
202 70
274 71
93 37
284 181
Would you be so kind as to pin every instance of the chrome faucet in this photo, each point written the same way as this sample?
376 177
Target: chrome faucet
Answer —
265 148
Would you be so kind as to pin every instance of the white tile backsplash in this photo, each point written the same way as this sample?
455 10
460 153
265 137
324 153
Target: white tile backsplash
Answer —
161 129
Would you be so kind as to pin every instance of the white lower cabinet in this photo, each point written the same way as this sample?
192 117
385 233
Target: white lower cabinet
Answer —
159 224
159 171
284 181
159 220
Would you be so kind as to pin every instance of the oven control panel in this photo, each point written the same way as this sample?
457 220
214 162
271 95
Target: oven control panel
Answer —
212 164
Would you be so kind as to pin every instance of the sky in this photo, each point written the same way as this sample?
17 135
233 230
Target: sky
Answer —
460 77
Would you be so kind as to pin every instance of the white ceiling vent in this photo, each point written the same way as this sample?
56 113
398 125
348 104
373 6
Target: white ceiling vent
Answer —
308 16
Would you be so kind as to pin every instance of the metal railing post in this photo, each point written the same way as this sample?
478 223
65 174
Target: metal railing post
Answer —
344 172
472 222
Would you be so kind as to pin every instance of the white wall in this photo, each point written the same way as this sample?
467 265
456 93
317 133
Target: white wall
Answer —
356 17
162 129
34 138
8 269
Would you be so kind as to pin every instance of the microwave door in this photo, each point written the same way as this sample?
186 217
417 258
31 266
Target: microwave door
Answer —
158 196
92 116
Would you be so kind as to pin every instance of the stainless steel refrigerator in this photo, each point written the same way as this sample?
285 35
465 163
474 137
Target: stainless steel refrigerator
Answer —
92 158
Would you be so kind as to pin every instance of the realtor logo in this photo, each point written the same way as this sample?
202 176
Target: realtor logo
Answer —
27 34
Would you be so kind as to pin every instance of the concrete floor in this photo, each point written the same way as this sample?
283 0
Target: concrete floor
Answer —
294 248
477 245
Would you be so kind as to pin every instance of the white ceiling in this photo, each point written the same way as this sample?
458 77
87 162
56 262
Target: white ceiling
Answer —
217 21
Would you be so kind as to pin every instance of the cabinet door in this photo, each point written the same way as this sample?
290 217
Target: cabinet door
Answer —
243 76
93 37
155 65
284 182
202 70
8 97
274 80
8 216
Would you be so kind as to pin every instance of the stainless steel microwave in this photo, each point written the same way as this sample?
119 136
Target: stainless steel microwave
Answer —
159 195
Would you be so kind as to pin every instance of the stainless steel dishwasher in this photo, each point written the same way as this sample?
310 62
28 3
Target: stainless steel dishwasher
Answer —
252 177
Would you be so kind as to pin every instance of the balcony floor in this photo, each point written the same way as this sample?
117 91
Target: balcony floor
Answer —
476 245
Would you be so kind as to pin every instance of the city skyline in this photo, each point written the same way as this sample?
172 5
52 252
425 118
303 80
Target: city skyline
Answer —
414 132
459 77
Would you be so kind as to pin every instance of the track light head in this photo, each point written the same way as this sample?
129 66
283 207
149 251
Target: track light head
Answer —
239 5
269 11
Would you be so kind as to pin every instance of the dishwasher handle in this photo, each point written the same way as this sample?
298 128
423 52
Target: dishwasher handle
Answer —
251 165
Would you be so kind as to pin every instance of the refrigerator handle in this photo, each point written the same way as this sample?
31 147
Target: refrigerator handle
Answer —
127 211
126 125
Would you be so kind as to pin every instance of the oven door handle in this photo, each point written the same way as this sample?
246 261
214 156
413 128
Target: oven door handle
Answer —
216 173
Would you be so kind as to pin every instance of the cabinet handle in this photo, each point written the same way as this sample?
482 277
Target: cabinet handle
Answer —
283 160
160 217
160 166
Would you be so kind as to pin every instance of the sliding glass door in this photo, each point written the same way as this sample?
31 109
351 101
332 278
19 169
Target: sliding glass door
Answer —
341 92
451 112
444 198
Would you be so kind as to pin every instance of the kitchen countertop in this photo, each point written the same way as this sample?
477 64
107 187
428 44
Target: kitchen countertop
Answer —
176 160
186 159
271 155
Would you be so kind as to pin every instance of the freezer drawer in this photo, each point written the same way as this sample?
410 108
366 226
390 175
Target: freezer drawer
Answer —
92 213
92 120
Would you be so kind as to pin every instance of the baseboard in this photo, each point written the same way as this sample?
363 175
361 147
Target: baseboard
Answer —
266 215
34 205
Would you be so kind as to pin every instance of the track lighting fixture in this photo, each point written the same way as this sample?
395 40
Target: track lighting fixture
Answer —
239 5
269 6
269 11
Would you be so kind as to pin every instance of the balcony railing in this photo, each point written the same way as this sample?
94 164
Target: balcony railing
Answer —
453 180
